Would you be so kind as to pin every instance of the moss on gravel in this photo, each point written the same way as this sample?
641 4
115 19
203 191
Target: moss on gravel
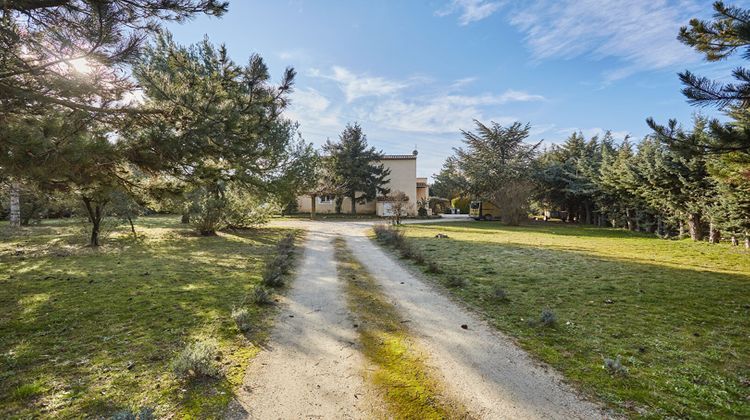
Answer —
400 373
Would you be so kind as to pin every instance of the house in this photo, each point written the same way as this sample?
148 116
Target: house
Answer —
403 178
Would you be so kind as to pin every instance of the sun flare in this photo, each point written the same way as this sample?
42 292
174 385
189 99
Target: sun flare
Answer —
81 65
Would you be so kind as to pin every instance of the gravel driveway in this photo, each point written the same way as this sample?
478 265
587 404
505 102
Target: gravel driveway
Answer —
312 367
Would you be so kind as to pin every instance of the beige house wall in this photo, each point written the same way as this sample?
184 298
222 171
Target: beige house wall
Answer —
403 178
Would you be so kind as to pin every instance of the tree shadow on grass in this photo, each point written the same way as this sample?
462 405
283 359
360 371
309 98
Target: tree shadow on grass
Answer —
550 228
104 326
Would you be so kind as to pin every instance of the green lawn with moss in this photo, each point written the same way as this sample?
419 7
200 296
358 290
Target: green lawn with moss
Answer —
677 313
90 333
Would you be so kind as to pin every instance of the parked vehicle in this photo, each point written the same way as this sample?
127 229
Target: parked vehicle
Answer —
483 210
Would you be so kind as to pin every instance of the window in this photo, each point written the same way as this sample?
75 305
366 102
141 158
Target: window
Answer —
325 199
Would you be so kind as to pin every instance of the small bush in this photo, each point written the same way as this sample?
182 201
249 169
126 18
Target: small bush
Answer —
547 318
145 413
434 268
285 247
407 252
455 281
261 296
283 262
197 359
273 276
418 258
243 319
499 294
615 367
389 235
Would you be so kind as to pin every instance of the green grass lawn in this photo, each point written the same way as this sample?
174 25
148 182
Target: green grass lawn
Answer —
676 312
87 333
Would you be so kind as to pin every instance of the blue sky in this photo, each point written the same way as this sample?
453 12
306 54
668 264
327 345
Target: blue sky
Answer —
413 73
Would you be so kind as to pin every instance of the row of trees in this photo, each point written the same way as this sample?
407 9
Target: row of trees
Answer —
674 178
207 139
653 186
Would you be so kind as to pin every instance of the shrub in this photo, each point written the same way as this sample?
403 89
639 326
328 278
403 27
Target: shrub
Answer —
407 252
434 268
197 359
282 262
615 367
243 319
547 319
207 213
261 296
417 257
389 235
499 294
273 276
286 243
245 210
455 281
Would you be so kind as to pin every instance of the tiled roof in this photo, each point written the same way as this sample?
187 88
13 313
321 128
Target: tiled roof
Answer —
398 157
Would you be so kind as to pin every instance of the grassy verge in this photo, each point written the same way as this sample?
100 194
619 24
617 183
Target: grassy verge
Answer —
399 373
94 332
677 313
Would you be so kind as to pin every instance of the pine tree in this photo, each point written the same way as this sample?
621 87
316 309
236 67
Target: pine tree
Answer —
220 125
497 162
618 177
74 53
449 183
719 39
352 165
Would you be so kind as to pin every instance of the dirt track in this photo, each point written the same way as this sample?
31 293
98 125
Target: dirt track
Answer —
312 368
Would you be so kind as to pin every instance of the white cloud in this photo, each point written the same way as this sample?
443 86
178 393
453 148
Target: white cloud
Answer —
470 10
357 86
642 33
460 83
444 113
314 112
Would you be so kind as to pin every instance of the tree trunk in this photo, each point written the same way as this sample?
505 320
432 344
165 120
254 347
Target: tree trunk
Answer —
354 203
694 226
714 235
185 218
312 206
735 242
588 213
339 201
15 205
747 240
630 220
132 226
659 227
95 217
